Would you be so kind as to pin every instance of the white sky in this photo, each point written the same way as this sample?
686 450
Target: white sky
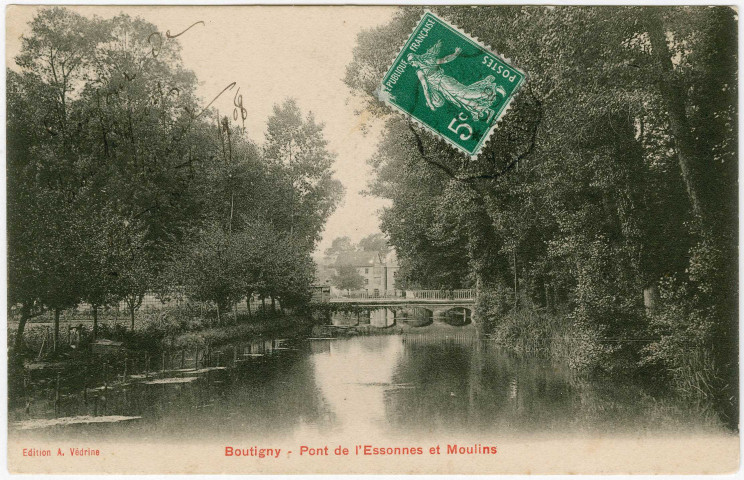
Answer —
273 53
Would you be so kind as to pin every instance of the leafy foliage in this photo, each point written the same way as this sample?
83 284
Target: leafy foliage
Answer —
120 183
347 278
340 245
614 170
375 242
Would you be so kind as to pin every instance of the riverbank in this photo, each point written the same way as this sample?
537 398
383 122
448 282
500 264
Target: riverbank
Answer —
158 350
530 331
154 331
281 325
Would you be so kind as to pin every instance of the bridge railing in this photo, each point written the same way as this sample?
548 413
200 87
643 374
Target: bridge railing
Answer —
464 294
363 294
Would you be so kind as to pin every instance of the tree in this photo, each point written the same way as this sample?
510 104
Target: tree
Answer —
101 131
100 259
60 259
120 182
375 242
40 163
340 245
58 52
347 278
614 147
296 150
206 266
271 264
134 267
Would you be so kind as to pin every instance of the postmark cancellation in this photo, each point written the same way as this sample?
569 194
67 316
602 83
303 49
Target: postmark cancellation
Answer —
451 84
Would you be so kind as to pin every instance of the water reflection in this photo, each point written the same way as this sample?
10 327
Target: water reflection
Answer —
414 385
378 386
353 377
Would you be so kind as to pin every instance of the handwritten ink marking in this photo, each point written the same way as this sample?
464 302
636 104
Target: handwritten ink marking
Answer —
164 94
238 102
168 34
156 46
229 87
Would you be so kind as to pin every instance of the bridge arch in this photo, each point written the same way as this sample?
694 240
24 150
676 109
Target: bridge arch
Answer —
414 316
410 307
458 316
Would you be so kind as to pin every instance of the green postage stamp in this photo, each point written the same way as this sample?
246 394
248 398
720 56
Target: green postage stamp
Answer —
451 84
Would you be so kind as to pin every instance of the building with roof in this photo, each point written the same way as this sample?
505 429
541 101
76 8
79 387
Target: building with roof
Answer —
378 271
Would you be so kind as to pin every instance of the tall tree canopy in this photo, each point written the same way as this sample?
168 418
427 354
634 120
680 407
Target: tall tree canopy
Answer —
614 174
120 182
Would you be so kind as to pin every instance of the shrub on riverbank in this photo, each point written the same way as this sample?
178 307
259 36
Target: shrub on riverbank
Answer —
530 330
684 335
671 347
260 327
176 325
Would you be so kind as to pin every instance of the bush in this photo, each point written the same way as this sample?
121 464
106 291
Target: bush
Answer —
153 327
492 304
532 329
683 341
215 336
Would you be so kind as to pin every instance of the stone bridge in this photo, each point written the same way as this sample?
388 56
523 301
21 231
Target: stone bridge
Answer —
412 307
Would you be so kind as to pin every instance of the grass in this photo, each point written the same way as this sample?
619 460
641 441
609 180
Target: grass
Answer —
261 327
527 330
178 326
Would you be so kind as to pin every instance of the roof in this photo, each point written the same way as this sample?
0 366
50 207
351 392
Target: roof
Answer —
357 259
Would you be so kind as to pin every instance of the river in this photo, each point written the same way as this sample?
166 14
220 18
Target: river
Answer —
391 388
392 384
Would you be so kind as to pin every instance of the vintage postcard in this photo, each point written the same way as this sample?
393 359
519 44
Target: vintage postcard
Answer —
372 239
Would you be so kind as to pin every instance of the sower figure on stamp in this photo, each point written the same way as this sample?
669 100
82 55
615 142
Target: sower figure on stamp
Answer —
476 98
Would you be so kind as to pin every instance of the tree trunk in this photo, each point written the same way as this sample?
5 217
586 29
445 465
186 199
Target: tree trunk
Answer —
483 246
263 304
273 305
516 293
650 298
248 304
219 322
56 329
25 314
674 96
131 318
95 321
